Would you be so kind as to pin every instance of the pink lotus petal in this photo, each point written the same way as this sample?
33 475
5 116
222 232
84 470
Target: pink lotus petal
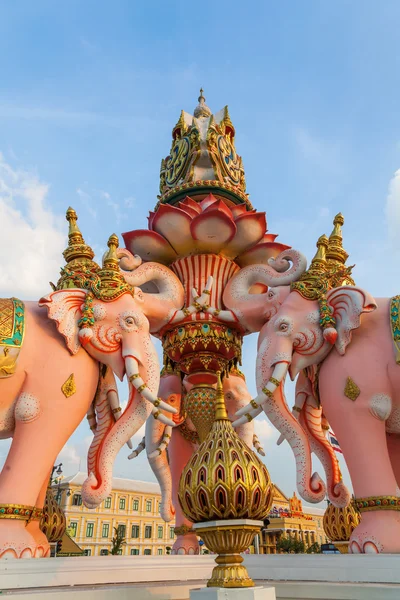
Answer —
250 230
173 224
212 230
239 209
188 201
270 237
260 253
150 246
207 201
189 210
150 218
220 206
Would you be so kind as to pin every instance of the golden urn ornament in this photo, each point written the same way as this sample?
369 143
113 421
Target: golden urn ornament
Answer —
339 524
227 492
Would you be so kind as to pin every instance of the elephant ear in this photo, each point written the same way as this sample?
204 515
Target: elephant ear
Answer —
65 308
348 304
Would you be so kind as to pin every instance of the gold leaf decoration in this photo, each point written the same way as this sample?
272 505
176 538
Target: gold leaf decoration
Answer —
69 387
351 389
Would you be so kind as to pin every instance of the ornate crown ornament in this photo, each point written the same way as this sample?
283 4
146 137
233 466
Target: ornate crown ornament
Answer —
203 158
326 271
339 524
224 479
78 255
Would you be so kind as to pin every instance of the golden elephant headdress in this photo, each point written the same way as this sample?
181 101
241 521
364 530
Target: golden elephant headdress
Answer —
326 271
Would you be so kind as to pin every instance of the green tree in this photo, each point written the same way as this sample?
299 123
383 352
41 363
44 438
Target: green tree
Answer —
117 541
290 545
315 548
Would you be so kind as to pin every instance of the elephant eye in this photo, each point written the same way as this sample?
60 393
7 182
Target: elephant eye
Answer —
130 321
271 294
283 327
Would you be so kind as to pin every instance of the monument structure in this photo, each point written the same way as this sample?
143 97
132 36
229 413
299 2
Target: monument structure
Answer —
204 274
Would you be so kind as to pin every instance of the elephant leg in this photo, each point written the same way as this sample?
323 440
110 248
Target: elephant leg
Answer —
393 444
33 527
360 429
38 438
180 451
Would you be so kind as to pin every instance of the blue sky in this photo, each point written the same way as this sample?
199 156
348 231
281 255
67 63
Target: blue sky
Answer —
90 92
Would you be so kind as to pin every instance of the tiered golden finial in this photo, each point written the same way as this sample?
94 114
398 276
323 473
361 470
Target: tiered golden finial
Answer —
202 109
225 480
112 283
78 256
339 524
180 128
336 253
227 125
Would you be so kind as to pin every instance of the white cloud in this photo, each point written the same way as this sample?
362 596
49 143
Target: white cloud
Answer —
393 207
263 429
32 236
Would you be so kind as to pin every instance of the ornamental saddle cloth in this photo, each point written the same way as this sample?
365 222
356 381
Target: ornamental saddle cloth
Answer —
12 327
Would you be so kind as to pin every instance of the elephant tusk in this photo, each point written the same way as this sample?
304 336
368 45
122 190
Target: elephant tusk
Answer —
138 450
281 439
163 444
248 416
135 379
257 445
157 414
273 383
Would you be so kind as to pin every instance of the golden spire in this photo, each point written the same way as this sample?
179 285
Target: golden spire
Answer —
76 244
227 125
180 128
202 109
112 282
220 409
78 256
336 252
320 256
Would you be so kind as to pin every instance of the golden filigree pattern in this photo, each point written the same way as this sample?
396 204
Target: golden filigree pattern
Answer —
351 389
68 388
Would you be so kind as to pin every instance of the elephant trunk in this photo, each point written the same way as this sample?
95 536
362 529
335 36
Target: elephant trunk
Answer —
310 487
310 419
162 290
158 460
98 485
252 309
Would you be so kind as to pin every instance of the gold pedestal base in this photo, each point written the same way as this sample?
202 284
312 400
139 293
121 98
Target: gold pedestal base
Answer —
343 547
228 539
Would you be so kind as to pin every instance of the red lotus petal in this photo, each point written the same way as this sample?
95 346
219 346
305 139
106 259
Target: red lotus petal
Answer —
207 201
150 246
212 230
150 218
270 237
250 230
220 206
189 210
188 201
239 209
173 224
260 253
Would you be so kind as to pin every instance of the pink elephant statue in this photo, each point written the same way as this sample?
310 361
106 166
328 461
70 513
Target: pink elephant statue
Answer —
49 372
347 367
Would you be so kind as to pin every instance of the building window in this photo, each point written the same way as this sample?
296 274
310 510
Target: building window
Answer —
122 530
147 532
72 528
89 529
88 552
160 531
148 505
159 551
159 506
171 532
119 552
104 552
135 504
76 500
107 502
135 552
147 551
122 503
106 530
135 531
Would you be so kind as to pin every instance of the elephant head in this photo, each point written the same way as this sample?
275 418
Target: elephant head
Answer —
294 339
111 320
256 292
